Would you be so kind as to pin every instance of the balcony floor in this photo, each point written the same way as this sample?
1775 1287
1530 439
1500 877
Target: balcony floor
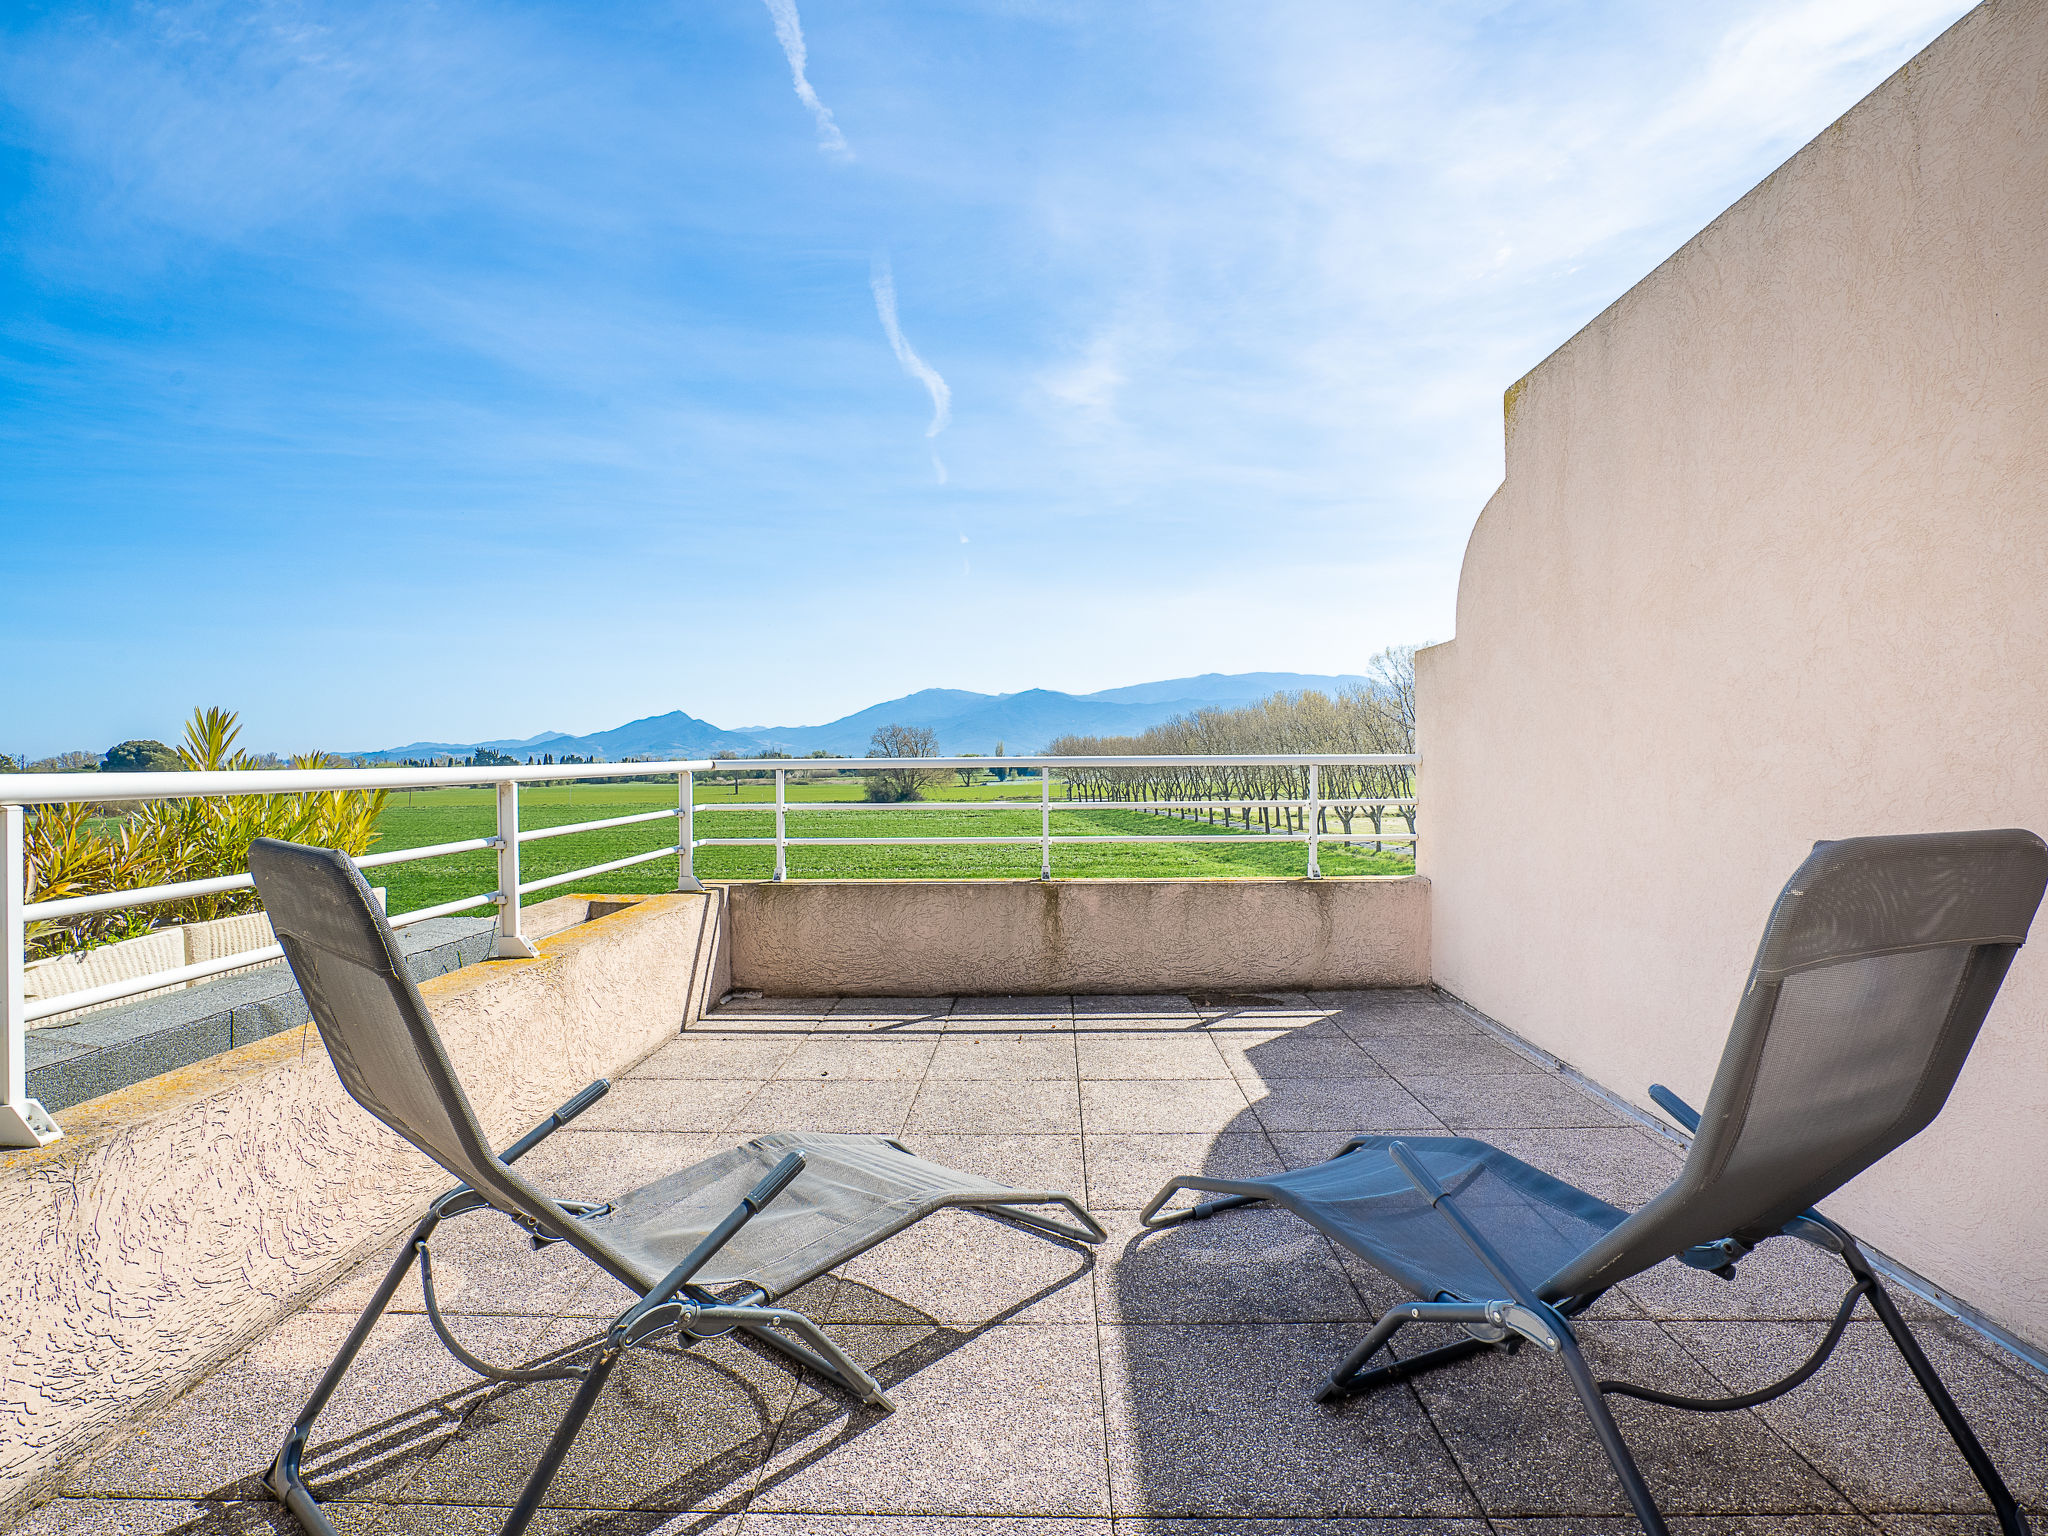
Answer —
1151 1386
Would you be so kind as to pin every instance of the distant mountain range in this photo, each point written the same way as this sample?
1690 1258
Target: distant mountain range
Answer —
965 722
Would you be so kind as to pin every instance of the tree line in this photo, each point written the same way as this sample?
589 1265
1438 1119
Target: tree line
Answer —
1373 717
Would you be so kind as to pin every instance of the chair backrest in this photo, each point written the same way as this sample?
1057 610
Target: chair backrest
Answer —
377 1029
1877 967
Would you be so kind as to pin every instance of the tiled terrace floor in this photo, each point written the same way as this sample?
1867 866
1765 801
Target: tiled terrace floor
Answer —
1155 1385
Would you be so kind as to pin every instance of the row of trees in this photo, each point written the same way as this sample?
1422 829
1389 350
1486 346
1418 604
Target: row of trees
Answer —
85 849
1375 717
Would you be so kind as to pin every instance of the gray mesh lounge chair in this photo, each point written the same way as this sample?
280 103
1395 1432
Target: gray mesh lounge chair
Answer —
1880 960
704 1250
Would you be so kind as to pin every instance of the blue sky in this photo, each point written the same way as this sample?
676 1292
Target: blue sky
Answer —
401 371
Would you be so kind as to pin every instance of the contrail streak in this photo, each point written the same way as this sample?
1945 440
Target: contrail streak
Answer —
790 33
942 398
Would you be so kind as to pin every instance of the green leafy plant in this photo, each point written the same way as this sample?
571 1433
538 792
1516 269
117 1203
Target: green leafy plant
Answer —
82 850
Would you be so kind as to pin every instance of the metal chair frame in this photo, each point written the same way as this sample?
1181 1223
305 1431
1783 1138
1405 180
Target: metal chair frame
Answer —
672 1304
1519 1316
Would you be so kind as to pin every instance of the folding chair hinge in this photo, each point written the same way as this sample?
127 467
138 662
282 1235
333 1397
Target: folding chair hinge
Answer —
1717 1258
582 1210
1540 1327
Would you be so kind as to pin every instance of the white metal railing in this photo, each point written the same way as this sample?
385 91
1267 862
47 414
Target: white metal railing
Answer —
24 1122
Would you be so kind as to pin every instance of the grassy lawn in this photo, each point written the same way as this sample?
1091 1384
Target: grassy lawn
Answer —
419 817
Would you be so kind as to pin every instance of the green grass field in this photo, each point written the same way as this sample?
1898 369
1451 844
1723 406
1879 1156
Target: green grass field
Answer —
416 818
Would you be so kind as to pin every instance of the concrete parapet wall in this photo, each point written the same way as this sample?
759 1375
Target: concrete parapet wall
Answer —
1770 565
179 1218
923 938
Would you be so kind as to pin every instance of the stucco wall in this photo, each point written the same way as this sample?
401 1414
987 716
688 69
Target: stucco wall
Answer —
923 938
1770 564
178 1218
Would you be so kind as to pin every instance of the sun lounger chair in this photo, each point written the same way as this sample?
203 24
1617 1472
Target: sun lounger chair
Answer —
705 1250
1880 960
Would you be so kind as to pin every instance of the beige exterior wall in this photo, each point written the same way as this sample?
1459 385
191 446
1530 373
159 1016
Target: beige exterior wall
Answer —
926 938
179 1218
1770 564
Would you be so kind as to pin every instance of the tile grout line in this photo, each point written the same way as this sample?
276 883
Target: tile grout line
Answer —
1095 1281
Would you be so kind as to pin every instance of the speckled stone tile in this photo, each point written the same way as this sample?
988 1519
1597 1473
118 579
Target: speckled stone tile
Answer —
967 1270
1525 1443
833 1104
1133 1003
1206 1105
993 1055
1863 1421
923 1525
738 1012
1508 1100
482 1263
1024 1160
177 1517
667 1104
216 1441
1783 1279
702 1053
990 1108
1126 1169
1362 1525
674 1429
1251 1265
887 1015
861 1058
1012 1012
1356 1106
1622 1165
1407 1020
1447 1055
603 1165
1219 1421
1695 1525
1263 1056
1003 1421
1164 1056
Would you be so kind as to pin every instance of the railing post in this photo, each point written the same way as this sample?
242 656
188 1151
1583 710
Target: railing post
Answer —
686 833
781 831
512 945
23 1122
1315 821
1044 822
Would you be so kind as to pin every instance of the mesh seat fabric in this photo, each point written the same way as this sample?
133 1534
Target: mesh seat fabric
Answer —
1365 1203
1881 959
853 1192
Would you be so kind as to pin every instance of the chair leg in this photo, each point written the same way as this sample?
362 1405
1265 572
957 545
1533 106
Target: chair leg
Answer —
819 1353
1609 1434
565 1436
2010 1520
285 1479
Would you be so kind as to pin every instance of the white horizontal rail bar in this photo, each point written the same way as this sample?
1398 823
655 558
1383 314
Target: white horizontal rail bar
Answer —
1219 803
726 765
72 788
445 909
144 896
113 991
593 826
188 890
869 842
1060 837
600 869
425 851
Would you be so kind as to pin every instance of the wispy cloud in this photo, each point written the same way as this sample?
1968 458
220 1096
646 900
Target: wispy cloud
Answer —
789 32
884 282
